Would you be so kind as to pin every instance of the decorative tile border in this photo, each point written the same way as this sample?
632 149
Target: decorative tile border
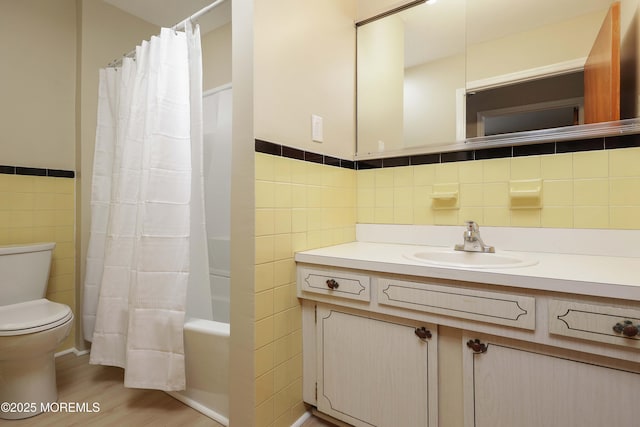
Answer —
20 170
307 156
600 143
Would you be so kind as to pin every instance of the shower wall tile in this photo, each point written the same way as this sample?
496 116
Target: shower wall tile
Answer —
38 208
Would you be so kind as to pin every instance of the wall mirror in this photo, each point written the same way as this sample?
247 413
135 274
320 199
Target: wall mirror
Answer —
451 74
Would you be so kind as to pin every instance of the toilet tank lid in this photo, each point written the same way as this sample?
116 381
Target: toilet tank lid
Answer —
28 247
32 316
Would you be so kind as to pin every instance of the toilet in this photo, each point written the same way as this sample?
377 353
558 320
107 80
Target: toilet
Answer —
31 328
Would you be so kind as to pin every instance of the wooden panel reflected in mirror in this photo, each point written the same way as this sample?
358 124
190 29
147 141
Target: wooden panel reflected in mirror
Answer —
602 72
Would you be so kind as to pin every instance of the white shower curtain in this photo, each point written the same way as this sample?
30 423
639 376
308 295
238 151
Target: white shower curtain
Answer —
144 201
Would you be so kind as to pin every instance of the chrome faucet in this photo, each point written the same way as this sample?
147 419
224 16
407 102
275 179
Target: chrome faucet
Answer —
472 240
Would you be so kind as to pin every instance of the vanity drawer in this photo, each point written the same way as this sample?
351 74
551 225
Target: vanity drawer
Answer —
491 307
335 283
595 322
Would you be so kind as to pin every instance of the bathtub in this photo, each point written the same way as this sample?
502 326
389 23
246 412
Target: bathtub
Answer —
206 349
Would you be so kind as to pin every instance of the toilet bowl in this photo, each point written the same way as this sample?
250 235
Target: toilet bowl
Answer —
31 328
29 334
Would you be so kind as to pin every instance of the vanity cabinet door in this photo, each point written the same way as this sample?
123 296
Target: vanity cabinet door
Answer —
511 384
376 370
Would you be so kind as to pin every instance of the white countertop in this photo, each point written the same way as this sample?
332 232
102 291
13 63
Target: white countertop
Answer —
595 275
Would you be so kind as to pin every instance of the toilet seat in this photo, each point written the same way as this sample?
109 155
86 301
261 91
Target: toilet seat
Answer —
32 316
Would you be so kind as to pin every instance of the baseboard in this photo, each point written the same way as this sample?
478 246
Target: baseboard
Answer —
329 418
72 350
304 417
199 407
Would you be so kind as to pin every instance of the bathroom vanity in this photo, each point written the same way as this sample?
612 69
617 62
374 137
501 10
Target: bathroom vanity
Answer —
391 338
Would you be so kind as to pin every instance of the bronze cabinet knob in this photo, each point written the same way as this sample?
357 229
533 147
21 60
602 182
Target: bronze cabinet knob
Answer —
626 328
332 284
423 333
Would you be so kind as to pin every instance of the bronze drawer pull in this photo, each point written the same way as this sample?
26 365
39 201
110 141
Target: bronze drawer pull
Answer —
626 328
477 346
332 284
423 333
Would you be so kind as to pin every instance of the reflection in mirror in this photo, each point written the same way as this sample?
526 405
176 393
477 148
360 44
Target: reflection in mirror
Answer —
546 64
410 67
543 103
526 62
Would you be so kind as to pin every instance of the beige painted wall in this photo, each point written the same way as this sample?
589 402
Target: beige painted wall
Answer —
430 101
380 83
38 69
216 57
551 44
105 34
368 8
304 65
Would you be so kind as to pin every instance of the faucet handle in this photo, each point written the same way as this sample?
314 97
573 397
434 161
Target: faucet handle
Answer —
472 225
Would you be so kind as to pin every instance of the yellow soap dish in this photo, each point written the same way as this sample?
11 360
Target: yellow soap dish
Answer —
525 194
445 196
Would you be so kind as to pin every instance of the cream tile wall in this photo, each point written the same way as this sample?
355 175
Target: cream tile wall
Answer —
41 209
302 205
592 189
299 205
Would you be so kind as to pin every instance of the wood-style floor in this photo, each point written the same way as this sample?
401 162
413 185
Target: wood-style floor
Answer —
79 382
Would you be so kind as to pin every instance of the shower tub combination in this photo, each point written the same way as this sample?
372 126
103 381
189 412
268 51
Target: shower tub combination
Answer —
206 331
206 348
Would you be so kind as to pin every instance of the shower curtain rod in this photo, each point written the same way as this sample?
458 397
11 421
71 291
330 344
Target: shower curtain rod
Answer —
179 26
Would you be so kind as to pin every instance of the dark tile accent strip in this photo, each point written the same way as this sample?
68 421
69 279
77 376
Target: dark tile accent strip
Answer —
369 164
580 145
292 153
30 171
622 141
395 161
493 153
313 157
20 170
268 148
348 164
457 156
10 170
57 173
613 142
534 150
425 159
331 161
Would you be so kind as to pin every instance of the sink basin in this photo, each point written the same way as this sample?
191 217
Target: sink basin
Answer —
470 259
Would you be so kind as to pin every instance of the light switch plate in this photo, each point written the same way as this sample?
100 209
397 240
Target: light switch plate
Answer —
316 128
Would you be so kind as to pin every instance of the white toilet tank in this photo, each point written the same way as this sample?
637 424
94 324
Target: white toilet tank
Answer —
24 272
